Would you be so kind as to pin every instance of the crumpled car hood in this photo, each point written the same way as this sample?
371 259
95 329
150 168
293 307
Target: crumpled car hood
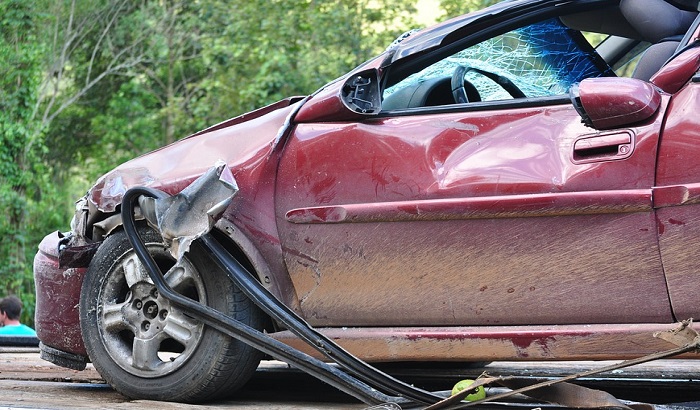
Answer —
240 142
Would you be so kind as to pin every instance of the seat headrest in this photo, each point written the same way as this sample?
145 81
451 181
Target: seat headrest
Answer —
656 20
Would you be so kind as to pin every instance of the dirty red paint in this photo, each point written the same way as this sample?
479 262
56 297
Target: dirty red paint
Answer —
462 344
674 75
57 319
468 182
507 206
679 198
661 228
608 100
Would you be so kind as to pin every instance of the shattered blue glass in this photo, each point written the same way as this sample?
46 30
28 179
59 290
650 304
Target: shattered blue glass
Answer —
542 59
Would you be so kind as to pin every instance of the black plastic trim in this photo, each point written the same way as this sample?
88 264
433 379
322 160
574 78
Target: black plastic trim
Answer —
480 106
61 358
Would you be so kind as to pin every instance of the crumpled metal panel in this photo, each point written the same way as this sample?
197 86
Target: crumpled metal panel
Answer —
469 218
184 217
172 168
57 320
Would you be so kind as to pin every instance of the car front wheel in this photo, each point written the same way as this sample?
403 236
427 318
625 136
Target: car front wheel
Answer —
147 348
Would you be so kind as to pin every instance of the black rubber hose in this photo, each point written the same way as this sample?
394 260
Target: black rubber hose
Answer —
280 312
234 328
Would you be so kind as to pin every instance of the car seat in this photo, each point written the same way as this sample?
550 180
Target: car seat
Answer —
660 23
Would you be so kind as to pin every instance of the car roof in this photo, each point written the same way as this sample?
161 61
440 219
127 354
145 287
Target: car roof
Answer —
439 34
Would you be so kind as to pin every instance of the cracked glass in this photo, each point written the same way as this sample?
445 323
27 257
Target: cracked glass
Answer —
542 59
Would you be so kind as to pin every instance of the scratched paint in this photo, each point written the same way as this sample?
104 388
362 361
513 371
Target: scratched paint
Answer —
677 187
400 237
58 293
463 344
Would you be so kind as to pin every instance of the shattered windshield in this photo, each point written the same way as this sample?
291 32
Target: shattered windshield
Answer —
541 59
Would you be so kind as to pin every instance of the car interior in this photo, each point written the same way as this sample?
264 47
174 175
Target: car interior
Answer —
545 58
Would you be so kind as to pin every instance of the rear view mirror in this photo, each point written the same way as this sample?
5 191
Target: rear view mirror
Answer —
612 102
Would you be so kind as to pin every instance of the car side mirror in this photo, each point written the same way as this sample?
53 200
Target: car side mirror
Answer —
356 97
361 94
612 102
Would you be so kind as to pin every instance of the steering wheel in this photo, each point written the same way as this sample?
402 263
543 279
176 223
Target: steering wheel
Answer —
460 93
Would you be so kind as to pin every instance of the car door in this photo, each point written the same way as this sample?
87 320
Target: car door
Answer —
677 190
501 211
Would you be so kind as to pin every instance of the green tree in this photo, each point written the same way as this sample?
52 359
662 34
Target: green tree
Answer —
275 49
93 48
39 83
200 63
20 72
454 8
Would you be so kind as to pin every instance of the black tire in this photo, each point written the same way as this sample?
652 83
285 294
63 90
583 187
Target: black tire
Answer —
147 349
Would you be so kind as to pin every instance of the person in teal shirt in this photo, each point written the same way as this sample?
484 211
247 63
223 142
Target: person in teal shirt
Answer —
10 309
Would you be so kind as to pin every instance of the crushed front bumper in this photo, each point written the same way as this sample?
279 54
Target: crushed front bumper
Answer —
57 318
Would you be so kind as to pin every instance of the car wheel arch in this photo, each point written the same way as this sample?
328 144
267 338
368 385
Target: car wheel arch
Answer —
274 276
232 238
107 336
270 270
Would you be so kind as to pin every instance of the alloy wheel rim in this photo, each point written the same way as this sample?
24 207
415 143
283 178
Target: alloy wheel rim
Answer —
141 331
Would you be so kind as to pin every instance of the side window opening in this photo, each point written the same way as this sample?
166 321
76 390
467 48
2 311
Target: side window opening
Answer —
625 66
621 53
542 59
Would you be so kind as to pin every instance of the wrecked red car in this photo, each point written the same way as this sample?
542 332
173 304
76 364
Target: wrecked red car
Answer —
515 183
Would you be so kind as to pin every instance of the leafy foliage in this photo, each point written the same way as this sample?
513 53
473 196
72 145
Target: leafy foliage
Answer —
21 147
275 49
456 7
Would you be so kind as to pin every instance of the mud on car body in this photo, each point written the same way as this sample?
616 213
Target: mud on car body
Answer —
515 183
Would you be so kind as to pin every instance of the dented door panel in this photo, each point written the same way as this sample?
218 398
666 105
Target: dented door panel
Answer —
486 209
